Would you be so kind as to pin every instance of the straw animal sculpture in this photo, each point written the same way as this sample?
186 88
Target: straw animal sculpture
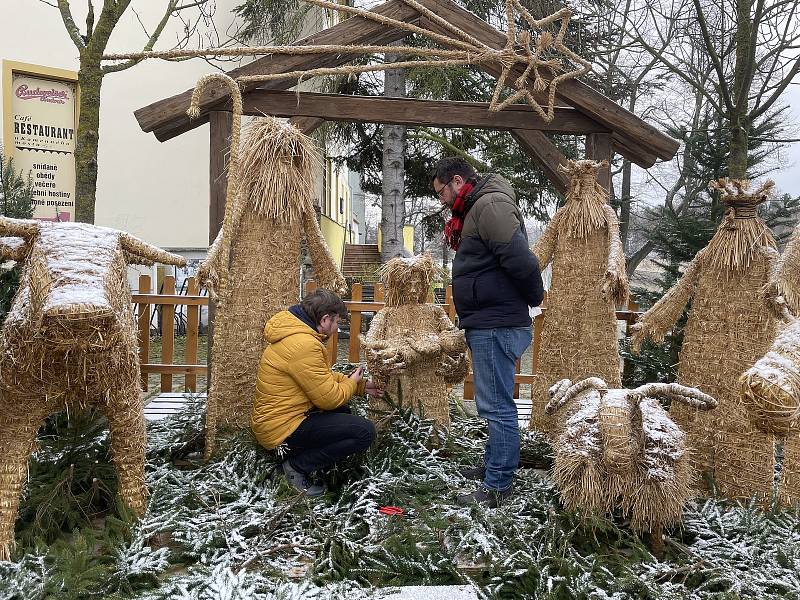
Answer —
579 336
69 342
252 267
730 326
620 449
413 344
539 48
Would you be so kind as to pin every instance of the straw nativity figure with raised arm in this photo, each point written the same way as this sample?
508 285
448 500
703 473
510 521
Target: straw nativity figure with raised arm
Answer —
252 267
414 345
579 337
731 325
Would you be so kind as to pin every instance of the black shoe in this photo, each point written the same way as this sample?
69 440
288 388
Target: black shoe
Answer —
484 496
300 482
476 473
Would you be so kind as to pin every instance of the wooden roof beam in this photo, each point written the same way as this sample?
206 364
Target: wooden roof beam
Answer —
412 112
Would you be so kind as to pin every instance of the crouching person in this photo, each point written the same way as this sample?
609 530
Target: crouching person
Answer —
300 401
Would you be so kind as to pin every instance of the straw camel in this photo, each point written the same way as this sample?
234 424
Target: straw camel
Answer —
730 326
579 337
68 343
414 345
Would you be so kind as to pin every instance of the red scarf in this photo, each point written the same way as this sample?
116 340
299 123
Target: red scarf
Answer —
452 229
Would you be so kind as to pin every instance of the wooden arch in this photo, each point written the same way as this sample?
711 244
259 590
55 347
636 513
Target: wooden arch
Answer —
608 127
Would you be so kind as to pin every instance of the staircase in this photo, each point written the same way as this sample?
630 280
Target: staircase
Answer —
360 262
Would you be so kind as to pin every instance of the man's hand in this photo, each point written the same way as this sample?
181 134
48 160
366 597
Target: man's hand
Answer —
374 389
358 374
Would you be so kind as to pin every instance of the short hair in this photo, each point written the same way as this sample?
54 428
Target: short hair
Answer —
449 167
323 302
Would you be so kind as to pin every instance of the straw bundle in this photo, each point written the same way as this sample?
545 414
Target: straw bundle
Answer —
69 342
730 326
619 449
413 344
270 214
579 337
785 283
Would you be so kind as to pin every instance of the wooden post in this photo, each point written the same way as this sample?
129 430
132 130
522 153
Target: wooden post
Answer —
192 329
167 333
220 128
378 296
599 146
451 306
355 325
145 312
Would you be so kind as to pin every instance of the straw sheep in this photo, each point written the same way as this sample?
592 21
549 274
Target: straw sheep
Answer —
69 342
413 344
731 325
252 268
620 449
579 335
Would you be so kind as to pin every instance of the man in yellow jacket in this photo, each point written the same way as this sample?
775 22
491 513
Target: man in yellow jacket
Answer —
300 401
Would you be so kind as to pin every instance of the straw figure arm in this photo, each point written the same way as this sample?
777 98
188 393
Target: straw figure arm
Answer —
615 283
454 364
374 343
545 246
655 323
326 273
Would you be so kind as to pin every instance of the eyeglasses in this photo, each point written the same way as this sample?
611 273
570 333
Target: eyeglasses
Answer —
441 189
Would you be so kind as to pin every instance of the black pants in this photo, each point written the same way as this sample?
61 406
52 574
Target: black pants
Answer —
325 437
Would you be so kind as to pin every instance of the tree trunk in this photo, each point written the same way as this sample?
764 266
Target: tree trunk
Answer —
739 121
90 80
393 202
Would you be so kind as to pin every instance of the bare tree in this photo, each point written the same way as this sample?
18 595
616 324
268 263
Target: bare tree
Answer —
91 44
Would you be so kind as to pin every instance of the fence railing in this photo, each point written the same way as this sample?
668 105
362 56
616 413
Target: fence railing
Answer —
167 301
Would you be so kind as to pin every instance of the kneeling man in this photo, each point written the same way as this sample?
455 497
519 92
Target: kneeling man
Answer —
300 401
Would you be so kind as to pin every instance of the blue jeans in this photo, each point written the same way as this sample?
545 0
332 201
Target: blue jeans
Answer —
494 356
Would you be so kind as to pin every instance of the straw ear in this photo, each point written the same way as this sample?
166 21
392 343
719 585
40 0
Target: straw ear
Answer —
24 228
142 253
14 248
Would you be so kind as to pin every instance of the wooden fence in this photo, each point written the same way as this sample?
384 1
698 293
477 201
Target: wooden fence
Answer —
168 300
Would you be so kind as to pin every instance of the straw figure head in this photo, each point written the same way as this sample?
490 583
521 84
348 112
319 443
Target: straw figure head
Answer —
771 387
408 279
584 210
742 232
278 168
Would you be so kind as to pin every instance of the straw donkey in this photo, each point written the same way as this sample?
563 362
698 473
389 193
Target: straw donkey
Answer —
413 344
252 268
731 324
619 448
579 337
69 342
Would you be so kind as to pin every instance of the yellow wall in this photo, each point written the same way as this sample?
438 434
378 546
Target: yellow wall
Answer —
334 235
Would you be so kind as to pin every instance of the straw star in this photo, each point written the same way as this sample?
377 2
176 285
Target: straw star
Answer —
534 56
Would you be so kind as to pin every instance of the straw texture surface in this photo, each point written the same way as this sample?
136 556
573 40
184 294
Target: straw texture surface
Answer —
730 326
270 213
414 345
620 450
69 342
579 334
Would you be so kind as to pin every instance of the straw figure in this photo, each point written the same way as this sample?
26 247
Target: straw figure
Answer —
784 285
730 326
620 449
69 342
252 267
413 344
579 337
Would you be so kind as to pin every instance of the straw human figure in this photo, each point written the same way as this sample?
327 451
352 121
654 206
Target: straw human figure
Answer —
619 449
731 325
252 267
579 336
414 345
771 387
69 343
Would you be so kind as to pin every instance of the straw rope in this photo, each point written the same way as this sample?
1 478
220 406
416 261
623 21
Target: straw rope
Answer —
579 335
540 50
414 345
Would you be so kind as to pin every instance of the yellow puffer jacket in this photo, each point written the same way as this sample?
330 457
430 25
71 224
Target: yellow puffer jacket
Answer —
293 378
